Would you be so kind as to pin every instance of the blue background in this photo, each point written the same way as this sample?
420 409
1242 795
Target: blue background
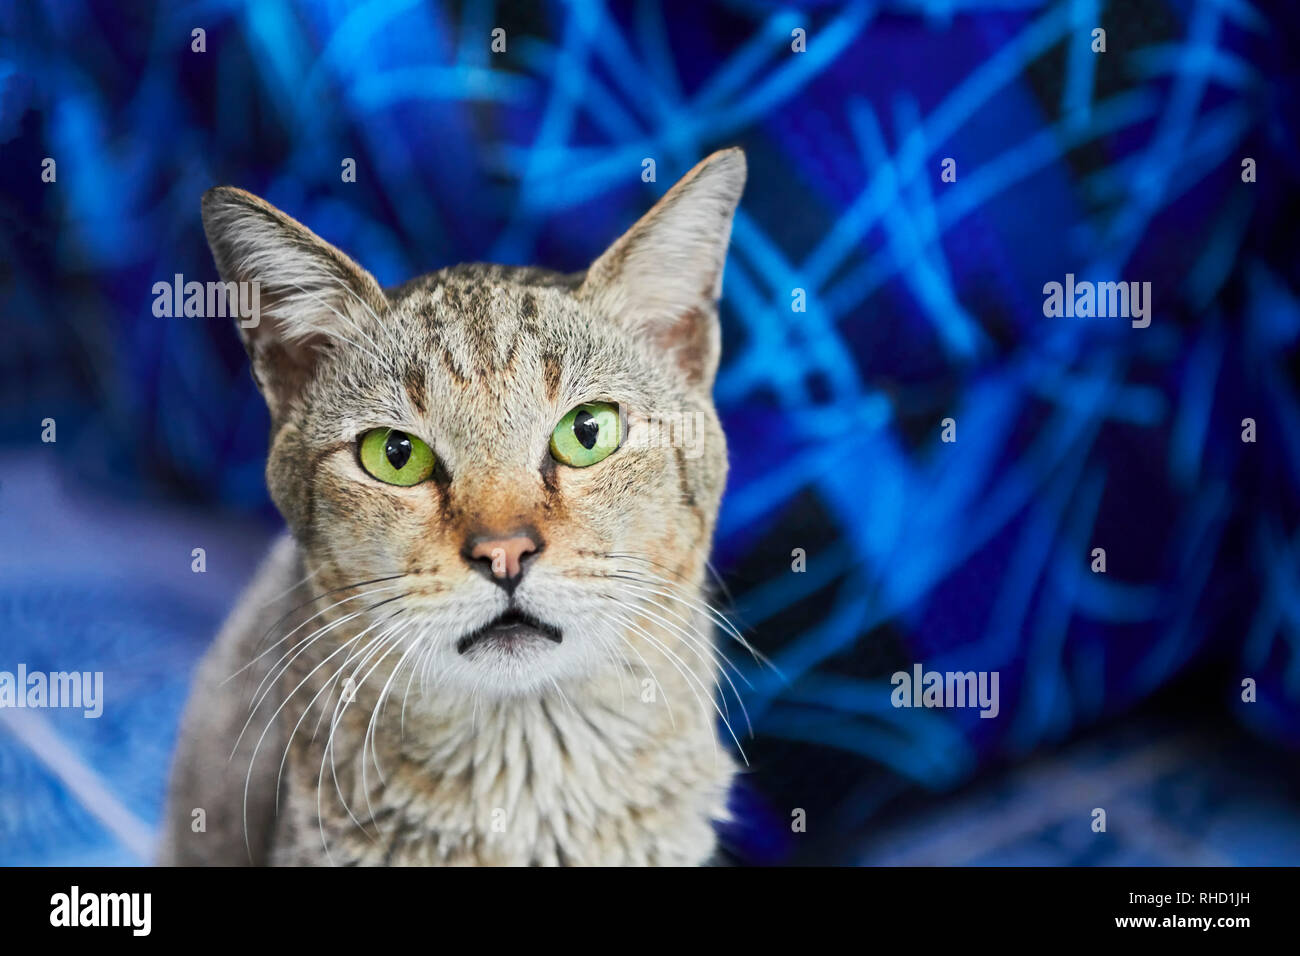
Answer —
924 301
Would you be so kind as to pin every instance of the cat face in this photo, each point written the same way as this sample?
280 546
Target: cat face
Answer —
508 477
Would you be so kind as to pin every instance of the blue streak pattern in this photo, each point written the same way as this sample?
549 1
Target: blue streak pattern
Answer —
923 302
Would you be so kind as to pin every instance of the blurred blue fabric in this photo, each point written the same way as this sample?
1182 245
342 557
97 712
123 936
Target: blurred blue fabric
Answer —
924 301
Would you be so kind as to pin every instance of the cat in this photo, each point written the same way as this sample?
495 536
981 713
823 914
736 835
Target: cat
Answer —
485 637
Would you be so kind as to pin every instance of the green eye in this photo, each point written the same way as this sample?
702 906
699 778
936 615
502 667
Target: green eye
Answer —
587 434
396 457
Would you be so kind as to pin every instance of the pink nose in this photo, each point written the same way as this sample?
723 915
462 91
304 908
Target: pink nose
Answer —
505 554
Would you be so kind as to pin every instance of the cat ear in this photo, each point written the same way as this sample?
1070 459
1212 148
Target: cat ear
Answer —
307 295
663 277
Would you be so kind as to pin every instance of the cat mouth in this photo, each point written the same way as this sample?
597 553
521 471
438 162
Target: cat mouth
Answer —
510 630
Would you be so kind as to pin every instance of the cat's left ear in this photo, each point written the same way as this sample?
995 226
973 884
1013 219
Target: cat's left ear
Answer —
663 277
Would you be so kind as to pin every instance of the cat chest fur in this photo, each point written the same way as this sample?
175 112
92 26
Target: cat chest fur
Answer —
527 782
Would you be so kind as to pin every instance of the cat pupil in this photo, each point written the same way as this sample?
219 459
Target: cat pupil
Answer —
585 429
397 450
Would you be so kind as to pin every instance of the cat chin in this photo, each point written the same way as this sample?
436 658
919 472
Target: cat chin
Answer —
501 671
509 680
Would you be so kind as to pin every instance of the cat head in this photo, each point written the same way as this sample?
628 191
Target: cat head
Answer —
499 471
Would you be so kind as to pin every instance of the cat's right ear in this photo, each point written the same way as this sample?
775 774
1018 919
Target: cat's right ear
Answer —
307 296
